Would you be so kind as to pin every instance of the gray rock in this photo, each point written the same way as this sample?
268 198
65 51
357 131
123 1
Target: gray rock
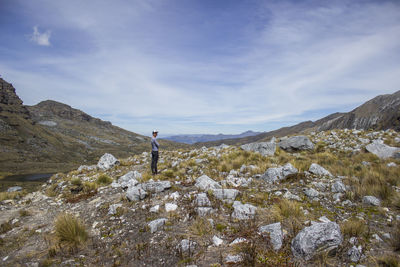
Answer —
291 196
391 164
135 193
296 143
14 189
264 148
317 237
128 180
87 168
156 187
113 209
311 192
338 187
371 200
319 170
225 194
156 224
276 174
354 253
233 259
243 211
202 200
187 246
381 150
275 233
204 183
203 211
107 161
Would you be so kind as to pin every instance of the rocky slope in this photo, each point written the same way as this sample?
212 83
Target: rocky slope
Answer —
52 136
315 200
379 113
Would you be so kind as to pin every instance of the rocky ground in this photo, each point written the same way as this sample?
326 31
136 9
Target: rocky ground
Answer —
326 199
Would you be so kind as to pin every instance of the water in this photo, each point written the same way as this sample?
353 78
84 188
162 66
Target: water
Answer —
38 177
28 182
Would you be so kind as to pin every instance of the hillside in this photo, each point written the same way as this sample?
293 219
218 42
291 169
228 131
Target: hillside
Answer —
51 136
196 138
333 205
379 113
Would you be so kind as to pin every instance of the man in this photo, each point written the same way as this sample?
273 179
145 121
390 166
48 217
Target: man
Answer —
154 152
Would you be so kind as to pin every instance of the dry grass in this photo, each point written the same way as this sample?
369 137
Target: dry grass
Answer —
12 195
70 230
354 227
104 180
395 241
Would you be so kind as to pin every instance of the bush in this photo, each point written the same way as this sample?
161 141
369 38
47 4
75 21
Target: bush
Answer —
70 230
104 180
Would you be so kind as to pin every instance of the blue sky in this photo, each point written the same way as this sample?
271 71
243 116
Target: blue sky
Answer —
201 66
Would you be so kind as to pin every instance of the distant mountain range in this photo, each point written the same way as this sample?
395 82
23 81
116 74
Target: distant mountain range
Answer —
379 113
53 136
195 138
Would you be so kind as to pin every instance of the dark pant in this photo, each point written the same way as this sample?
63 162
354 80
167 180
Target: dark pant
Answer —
154 160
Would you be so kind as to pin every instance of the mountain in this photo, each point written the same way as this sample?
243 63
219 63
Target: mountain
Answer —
195 138
53 136
379 113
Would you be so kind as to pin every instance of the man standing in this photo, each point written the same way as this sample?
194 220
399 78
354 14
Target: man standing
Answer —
154 152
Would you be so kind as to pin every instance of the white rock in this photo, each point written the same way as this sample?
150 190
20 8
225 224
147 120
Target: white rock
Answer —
187 245
225 194
319 170
136 193
243 211
291 196
273 175
203 211
275 233
155 208
264 148
238 241
202 200
233 259
217 241
157 186
156 224
391 164
170 207
204 183
311 192
107 161
338 187
371 200
383 151
113 209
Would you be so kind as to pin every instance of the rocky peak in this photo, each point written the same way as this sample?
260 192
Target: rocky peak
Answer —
9 100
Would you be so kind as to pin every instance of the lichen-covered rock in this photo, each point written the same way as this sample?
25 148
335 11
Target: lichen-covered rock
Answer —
338 187
381 150
204 183
275 233
317 237
107 161
156 224
371 200
296 143
135 193
319 170
264 148
243 211
225 194
156 187
273 175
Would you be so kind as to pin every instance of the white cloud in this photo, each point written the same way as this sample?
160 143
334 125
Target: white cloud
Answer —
42 39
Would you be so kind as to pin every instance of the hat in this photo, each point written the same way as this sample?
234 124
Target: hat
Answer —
155 131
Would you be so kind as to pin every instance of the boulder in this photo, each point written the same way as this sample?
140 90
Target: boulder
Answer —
128 180
317 237
264 148
296 143
204 183
156 187
136 193
14 189
243 211
156 224
275 233
225 194
383 151
338 187
319 170
311 192
107 161
276 174
371 200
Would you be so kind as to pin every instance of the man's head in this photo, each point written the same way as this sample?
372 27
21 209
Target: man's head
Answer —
155 132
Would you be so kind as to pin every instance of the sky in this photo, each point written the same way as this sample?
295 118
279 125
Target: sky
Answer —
201 66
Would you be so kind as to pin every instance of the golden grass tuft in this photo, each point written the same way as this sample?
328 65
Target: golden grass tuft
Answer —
354 227
70 230
104 180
